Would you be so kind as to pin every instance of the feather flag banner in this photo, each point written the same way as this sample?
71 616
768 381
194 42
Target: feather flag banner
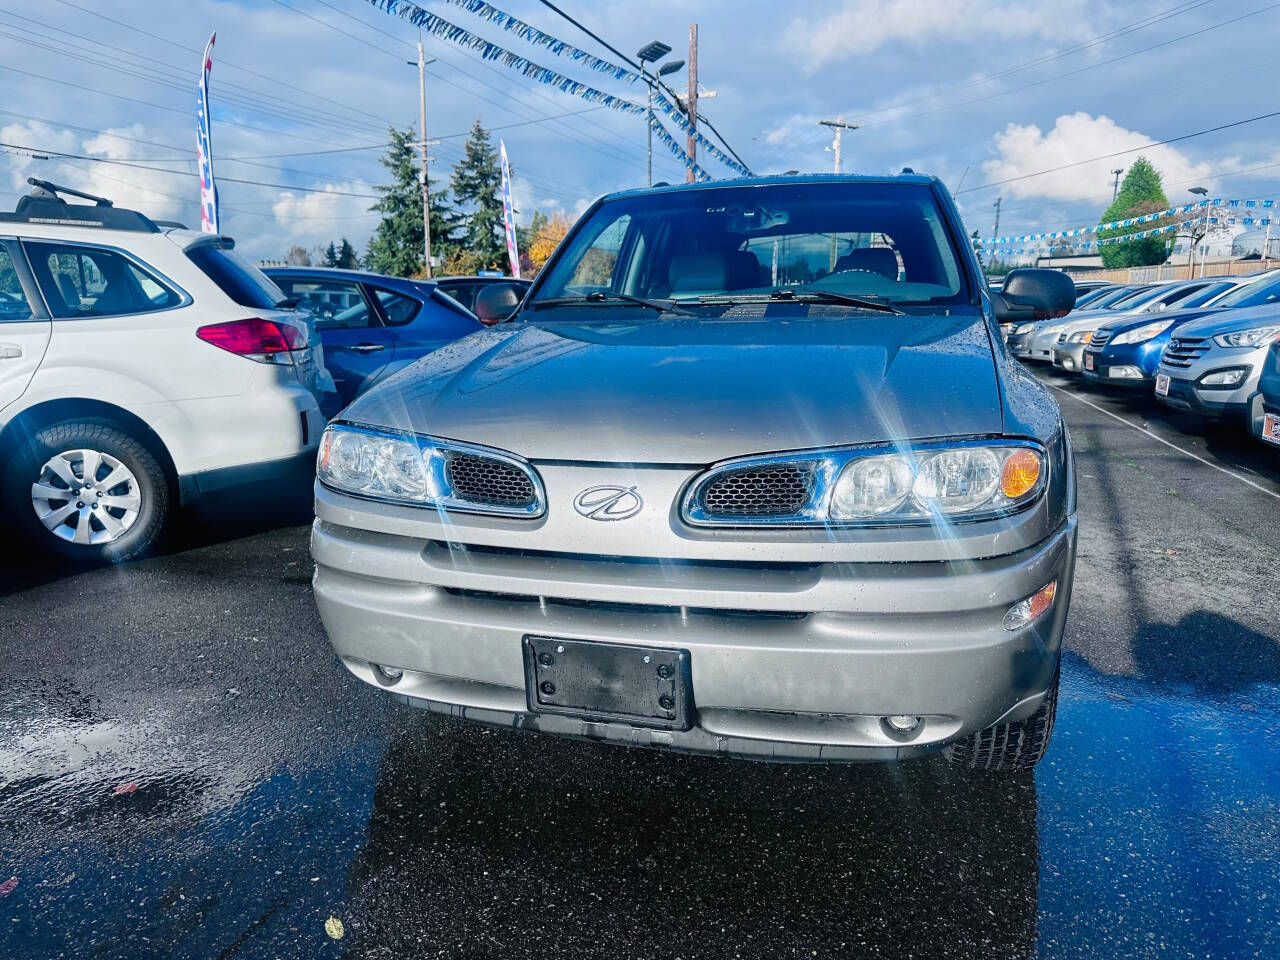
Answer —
508 212
204 146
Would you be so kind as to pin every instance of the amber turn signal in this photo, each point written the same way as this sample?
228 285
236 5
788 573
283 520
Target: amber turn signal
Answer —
1020 473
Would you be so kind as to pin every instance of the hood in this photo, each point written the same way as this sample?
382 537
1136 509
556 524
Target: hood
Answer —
1176 317
697 391
1231 321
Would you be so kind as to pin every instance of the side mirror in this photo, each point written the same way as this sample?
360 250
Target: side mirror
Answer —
496 302
1034 295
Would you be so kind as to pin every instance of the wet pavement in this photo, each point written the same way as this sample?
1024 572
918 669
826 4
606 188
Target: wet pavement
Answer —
185 771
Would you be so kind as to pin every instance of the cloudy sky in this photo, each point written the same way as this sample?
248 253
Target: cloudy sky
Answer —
983 94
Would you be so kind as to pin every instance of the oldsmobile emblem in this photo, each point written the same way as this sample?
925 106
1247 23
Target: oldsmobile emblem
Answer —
608 502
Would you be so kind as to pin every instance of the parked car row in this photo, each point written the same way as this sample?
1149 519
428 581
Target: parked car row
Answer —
144 365
1209 346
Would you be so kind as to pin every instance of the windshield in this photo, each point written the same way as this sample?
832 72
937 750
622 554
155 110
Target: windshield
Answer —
1134 298
876 241
1253 294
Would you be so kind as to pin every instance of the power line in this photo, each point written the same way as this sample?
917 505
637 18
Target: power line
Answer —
1072 73
1122 153
604 43
1118 32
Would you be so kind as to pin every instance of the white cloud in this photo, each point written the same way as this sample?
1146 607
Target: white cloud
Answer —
864 26
1076 136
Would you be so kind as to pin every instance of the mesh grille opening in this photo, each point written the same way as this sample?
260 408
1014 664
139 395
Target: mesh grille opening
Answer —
484 480
780 490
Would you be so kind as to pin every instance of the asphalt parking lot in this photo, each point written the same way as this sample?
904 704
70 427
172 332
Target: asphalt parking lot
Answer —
186 771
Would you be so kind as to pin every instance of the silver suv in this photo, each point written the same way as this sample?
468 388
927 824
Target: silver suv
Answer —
1211 366
749 473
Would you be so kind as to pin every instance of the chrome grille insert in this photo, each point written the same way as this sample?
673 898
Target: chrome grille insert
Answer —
1184 351
776 491
1099 338
485 480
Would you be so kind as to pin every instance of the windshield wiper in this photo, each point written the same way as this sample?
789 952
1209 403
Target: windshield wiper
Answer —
599 296
802 295
810 295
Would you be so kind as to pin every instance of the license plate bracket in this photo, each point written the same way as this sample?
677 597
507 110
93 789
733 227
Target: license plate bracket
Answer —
1088 361
1162 384
595 680
1271 428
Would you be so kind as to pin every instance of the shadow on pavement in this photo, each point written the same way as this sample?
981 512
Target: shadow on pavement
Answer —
494 843
216 518
1210 652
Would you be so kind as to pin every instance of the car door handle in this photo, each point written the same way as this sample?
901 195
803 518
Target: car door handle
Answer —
368 347
10 351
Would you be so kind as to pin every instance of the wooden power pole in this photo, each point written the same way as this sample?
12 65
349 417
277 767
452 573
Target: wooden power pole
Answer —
692 140
422 133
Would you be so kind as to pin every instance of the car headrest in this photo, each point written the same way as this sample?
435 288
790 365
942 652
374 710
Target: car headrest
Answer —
699 271
67 287
879 260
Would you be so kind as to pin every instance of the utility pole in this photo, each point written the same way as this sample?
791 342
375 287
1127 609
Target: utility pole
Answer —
1115 187
839 127
995 233
691 141
422 133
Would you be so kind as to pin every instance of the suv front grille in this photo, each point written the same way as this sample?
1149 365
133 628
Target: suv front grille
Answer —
780 491
1099 339
485 480
1184 351
1062 338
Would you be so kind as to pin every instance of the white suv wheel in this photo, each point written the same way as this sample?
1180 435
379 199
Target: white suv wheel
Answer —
86 497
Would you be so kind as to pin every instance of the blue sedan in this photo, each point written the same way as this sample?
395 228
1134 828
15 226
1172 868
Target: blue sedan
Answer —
1126 354
372 325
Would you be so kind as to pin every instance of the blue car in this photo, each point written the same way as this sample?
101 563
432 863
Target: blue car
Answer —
1268 429
1126 354
372 325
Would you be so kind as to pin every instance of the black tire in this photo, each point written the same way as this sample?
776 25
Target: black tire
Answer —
1013 746
105 437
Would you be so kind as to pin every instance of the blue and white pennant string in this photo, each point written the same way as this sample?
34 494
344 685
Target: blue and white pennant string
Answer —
442 28
1146 218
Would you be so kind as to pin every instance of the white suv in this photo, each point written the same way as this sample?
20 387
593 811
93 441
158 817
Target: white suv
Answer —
140 363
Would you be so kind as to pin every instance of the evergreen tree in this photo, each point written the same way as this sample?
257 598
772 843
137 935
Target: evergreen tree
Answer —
1140 193
347 258
477 189
330 255
396 245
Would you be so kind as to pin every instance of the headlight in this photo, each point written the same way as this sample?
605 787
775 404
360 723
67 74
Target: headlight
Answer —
1248 338
1023 328
1080 336
878 487
1142 333
418 470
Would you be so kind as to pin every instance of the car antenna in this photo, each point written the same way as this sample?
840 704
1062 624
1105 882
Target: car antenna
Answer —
55 189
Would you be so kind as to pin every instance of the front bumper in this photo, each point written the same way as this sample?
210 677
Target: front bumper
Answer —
1068 357
1243 403
789 661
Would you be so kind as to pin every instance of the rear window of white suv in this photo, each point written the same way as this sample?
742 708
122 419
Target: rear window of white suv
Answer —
239 279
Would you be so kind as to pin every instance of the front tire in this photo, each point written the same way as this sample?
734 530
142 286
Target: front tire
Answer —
88 492
1016 746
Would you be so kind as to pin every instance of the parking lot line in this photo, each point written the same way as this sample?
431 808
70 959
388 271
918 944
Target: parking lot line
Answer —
1160 439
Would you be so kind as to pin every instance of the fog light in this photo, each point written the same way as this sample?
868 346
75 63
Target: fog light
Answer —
389 674
1032 608
1068 363
902 723
1124 373
1223 378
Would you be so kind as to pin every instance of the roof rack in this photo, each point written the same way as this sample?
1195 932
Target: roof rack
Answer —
43 205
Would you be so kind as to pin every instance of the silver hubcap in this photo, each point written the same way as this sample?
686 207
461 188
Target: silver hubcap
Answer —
86 497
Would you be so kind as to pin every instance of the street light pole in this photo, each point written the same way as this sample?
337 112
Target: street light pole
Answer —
422 132
648 163
652 53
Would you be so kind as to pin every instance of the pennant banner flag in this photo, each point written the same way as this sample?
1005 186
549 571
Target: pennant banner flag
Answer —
508 212
204 147
680 120
677 151
1146 218
535 36
438 26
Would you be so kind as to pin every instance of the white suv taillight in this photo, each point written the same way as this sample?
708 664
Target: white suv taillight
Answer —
265 341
